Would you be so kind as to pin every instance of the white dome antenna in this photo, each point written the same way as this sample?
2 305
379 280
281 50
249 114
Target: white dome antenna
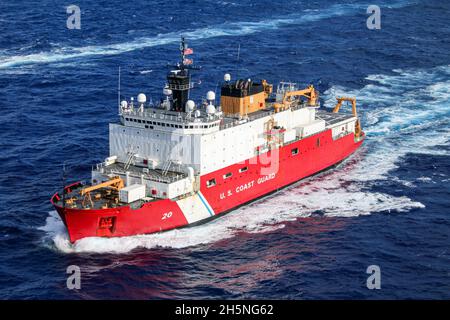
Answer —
166 103
167 91
141 98
210 109
190 106
210 96
227 77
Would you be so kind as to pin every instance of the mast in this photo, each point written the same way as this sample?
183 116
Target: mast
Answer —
183 47
179 79
118 93
237 61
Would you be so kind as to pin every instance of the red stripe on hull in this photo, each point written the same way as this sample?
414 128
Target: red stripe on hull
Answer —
264 174
284 169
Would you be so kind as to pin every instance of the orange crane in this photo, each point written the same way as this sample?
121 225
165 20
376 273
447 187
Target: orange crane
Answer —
115 183
353 102
267 88
310 93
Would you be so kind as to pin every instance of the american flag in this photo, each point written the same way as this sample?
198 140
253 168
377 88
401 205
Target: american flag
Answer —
188 51
187 61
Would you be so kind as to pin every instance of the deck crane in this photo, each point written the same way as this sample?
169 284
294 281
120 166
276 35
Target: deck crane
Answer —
352 100
310 93
115 183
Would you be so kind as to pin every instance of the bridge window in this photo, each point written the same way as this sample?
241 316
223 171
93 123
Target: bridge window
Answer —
318 142
294 151
243 169
227 175
210 183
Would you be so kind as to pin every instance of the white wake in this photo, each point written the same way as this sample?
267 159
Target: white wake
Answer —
226 29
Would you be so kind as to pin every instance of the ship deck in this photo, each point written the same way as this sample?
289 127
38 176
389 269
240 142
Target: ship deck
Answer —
325 114
107 197
150 174
103 198
332 118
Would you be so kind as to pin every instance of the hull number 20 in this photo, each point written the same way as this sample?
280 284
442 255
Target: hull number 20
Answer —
166 215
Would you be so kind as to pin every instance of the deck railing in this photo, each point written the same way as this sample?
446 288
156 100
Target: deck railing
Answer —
150 175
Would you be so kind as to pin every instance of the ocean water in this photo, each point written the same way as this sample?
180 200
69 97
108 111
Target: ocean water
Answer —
387 205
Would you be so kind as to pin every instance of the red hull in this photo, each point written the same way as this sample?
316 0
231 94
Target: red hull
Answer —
257 180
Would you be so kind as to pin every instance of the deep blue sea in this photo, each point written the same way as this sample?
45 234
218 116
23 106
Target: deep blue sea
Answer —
387 205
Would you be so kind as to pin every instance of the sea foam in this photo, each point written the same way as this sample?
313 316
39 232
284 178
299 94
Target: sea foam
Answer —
222 30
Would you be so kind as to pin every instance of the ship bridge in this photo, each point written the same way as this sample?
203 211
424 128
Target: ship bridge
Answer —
165 120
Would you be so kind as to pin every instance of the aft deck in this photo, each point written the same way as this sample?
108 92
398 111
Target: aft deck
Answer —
331 118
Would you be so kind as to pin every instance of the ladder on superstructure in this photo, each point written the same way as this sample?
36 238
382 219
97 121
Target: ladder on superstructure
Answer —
166 167
129 160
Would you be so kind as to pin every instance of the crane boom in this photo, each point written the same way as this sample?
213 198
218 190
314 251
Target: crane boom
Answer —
310 93
115 183
340 100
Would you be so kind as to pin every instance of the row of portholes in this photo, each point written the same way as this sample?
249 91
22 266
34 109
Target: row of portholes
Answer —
212 182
